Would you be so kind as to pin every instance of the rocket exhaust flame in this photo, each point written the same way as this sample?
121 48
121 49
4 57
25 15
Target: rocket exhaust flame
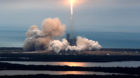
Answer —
71 6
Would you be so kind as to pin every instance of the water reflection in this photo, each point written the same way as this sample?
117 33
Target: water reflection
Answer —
83 64
28 72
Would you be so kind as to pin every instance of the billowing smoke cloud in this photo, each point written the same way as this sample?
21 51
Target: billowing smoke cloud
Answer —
43 39
39 39
53 27
81 44
57 45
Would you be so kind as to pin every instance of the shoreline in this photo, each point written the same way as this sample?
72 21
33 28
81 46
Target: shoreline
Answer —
71 76
121 70
103 55
67 58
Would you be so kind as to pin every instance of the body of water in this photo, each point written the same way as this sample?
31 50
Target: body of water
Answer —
29 72
83 64
14 38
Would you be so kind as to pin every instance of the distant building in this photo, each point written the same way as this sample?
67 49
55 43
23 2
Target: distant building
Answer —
71 40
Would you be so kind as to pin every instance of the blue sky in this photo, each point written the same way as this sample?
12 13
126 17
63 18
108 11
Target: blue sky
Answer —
91 15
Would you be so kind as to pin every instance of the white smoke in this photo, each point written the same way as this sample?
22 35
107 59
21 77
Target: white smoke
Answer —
85 44
37 39
81 44
57 45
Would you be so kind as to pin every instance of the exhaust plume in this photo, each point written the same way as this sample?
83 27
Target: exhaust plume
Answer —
37 39
81 44
43 39
53 27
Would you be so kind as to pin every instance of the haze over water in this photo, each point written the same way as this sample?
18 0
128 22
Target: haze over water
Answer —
16 37
113 23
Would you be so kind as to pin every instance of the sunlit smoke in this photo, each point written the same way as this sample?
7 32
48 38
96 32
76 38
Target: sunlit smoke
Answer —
37 39
43 39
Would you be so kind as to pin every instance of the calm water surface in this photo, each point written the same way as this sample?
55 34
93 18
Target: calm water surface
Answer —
28 72
15 38
83 64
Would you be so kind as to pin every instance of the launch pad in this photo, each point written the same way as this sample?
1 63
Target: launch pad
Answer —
71 40
70 36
